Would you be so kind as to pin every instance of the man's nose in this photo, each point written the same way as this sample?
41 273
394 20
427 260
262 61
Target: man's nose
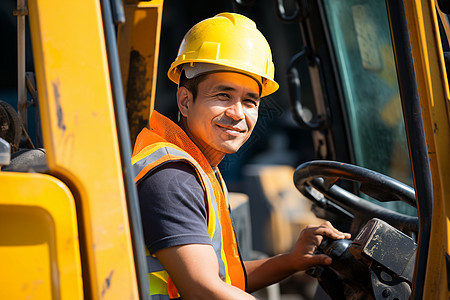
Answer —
235 111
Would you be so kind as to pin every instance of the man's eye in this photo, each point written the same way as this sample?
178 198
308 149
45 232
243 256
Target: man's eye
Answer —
251 102
223 95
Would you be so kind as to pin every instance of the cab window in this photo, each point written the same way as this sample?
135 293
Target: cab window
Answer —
361 39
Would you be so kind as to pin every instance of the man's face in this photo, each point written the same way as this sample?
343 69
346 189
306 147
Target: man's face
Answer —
223 115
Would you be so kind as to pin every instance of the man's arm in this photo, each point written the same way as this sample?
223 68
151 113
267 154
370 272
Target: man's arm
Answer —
195 271
175 230
262 273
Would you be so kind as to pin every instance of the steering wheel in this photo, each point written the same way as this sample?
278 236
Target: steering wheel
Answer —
321 175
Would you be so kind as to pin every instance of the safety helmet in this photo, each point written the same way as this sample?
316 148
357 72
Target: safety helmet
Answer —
230 40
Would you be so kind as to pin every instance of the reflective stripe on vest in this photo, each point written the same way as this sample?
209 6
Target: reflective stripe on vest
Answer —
155 155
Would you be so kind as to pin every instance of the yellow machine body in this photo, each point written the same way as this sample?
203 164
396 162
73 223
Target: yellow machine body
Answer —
67 234
38 239
434 96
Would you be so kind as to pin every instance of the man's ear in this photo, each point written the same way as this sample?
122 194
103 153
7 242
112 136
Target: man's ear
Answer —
184 100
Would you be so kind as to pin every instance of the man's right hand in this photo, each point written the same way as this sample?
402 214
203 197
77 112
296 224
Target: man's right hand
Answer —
303 256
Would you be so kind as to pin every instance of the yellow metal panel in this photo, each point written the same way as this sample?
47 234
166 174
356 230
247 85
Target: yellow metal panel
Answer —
138 42
434 97
79 132
39 250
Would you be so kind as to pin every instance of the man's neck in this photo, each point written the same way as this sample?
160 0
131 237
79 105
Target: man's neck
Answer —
214 157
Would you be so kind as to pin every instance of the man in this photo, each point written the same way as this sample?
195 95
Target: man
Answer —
224 67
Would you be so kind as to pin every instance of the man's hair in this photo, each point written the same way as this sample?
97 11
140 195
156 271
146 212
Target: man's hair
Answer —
191 84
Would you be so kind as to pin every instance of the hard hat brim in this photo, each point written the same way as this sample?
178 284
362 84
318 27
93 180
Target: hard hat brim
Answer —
268 86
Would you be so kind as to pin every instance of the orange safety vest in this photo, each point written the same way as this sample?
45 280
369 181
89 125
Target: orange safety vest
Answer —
163 142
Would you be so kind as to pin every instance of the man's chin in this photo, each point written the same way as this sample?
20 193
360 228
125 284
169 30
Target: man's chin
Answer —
231 146
231 149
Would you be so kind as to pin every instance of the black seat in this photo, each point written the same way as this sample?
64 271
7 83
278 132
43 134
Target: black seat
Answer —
28 160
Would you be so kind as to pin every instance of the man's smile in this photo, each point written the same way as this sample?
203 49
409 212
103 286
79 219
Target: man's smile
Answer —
231 130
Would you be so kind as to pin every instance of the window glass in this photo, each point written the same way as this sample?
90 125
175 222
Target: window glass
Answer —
362 43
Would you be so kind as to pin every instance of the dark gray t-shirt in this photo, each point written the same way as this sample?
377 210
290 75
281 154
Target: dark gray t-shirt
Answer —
173 210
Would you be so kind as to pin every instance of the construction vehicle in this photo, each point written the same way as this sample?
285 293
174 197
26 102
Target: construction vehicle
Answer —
372 112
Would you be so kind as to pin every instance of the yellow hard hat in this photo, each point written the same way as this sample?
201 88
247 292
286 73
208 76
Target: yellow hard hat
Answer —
230 40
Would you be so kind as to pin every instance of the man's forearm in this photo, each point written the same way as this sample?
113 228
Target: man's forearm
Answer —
264 272
195 272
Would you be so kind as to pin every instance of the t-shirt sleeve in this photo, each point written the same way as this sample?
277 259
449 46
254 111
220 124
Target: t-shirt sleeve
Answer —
172 203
